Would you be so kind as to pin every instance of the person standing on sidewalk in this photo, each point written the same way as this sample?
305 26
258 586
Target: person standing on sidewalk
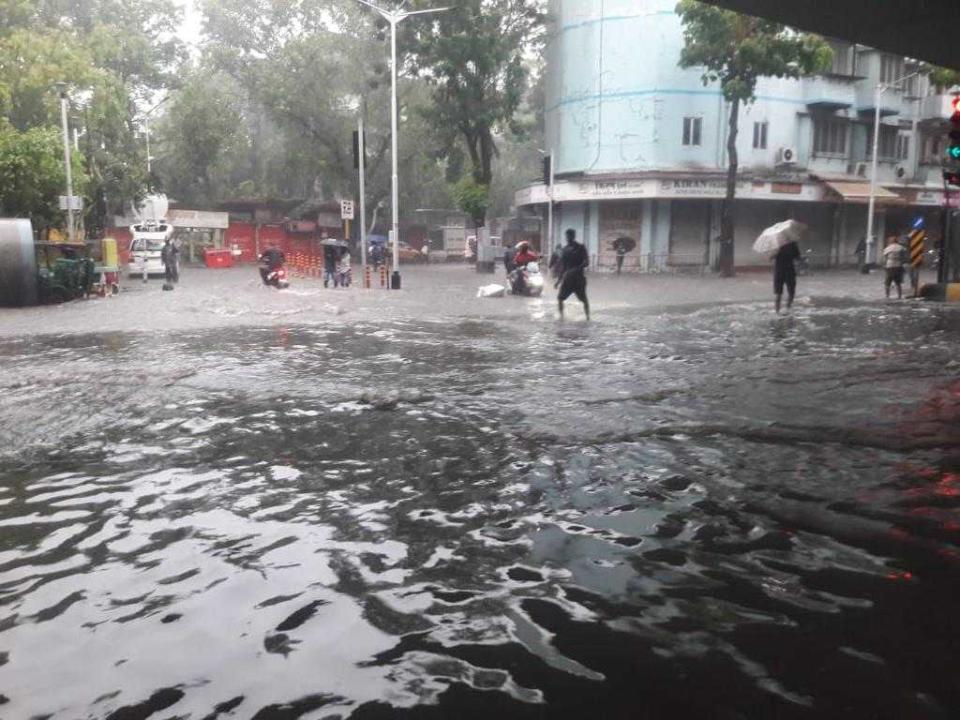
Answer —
573 278
330 261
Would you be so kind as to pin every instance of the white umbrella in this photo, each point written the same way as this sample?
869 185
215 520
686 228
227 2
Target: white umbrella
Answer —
776 236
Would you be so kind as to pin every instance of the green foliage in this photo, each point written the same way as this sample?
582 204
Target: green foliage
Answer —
32 174
736 50
110 56
944 78
475 56
472 198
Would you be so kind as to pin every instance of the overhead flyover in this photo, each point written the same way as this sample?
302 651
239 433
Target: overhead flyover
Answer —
923 29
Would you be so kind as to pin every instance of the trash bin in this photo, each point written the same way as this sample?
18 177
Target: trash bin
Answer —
214 258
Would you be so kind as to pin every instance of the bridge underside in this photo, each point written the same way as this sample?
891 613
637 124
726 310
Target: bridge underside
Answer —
923 29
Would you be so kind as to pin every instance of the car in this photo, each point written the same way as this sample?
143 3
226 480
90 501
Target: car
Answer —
145 251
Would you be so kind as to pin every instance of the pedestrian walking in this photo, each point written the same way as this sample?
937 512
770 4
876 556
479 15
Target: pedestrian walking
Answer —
573 279
170 257
621 246
894 257
330 261
785 273
343 270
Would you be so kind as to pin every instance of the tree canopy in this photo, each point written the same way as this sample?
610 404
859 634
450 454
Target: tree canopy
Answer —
735 51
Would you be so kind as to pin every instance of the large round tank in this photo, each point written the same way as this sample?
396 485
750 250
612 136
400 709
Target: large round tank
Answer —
18 263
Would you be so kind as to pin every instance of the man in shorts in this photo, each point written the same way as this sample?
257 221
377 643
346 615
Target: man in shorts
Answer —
573 278
894 257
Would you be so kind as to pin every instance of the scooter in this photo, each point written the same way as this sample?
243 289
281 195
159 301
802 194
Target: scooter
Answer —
530 281
277 277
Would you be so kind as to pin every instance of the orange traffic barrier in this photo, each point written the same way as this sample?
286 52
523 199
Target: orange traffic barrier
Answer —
366 276
383 276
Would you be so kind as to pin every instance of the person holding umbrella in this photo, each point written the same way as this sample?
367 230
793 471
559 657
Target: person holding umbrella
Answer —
621 246
780 243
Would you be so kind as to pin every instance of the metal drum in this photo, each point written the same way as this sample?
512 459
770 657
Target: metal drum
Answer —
18 263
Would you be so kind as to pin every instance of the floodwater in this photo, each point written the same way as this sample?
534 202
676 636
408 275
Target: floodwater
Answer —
702 512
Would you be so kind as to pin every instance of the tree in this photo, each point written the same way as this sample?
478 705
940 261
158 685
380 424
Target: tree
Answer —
474 55
944 78
736 50
32 174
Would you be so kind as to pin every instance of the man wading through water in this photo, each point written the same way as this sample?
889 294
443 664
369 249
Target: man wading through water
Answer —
573 280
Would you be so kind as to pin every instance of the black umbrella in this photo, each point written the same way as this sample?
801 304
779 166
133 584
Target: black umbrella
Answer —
624 244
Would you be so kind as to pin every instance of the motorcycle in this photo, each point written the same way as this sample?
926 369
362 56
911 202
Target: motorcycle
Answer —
527 281
275 277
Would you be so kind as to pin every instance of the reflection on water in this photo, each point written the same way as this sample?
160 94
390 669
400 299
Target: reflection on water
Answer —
711 513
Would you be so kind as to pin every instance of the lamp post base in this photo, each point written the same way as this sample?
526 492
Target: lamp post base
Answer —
395 280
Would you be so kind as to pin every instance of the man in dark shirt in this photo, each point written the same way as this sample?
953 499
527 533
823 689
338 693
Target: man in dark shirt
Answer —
573 279
785 273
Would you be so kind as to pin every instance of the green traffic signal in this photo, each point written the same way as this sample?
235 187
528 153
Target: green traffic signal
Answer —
953 152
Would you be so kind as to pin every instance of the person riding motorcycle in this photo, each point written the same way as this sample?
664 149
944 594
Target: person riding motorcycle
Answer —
524 256
270 259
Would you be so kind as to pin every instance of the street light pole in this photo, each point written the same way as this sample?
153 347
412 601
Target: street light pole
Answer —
869 252
361 163
395 17
69 169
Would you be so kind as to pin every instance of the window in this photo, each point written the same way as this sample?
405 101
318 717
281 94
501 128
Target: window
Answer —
692 130
830 137
933 149
760 135
891 68
889 139
844 58
903 146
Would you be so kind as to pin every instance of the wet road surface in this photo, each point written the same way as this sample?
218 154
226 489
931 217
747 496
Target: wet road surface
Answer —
696 511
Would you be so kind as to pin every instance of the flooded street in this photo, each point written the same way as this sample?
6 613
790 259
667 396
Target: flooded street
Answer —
424 505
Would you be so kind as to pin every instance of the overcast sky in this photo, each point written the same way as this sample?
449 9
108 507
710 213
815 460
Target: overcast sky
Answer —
191 27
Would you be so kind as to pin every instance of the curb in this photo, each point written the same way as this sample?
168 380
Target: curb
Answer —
943 292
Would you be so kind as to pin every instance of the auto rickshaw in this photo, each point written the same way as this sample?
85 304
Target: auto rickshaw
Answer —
65 271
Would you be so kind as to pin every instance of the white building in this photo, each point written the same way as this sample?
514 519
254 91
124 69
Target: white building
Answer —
639 145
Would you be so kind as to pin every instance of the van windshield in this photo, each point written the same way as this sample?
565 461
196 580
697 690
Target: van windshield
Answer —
141 244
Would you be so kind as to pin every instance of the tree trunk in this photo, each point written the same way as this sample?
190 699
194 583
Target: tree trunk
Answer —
727 213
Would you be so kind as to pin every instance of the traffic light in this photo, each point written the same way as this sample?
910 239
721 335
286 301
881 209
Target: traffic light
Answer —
953 146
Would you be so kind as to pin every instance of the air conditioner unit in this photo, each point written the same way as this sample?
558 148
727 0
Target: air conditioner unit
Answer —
786 156
861 169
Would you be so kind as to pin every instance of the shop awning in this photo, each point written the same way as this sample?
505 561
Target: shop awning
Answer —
858 193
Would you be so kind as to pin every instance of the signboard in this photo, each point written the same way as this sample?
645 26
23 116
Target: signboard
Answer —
200 219
346 209
71 202
674 188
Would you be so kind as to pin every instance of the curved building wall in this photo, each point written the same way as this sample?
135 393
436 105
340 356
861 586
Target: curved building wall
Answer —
615 96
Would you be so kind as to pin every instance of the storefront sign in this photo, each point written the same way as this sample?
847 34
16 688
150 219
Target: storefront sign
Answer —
200 219
677 188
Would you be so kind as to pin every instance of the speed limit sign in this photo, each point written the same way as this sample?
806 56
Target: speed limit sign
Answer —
346 209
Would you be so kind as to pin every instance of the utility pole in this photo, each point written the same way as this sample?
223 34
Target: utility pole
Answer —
361 163
395 17
69 169
869 252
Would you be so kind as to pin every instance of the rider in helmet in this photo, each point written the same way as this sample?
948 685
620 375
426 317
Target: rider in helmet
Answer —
524 255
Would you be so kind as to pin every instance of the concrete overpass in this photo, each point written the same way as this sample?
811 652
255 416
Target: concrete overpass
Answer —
922 29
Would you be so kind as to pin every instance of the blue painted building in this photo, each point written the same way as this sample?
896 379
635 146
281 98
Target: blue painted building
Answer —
639 145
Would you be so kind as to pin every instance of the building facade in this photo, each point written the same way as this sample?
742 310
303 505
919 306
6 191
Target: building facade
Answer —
639 144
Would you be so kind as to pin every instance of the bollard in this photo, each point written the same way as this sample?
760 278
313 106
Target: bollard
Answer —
383 276
366 277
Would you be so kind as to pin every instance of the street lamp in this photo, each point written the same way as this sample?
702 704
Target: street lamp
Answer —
146 131
395 17
881 89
